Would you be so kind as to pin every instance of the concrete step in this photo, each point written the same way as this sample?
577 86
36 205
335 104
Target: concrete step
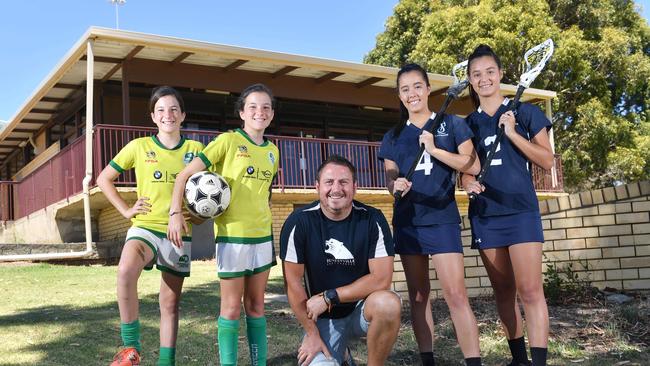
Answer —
101 250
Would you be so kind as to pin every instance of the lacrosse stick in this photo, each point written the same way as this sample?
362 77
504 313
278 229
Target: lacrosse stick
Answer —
540 55
459 72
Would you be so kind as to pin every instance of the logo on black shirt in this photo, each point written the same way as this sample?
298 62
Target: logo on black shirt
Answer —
442 130
337 253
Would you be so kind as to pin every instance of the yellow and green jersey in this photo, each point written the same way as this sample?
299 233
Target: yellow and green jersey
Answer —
156 168
249 169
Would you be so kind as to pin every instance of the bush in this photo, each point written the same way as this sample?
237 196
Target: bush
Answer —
563 284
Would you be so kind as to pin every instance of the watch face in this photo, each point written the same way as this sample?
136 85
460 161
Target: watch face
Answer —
332 296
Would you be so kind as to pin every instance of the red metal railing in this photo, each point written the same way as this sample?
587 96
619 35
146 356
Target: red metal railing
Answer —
61 177
299 157
57 179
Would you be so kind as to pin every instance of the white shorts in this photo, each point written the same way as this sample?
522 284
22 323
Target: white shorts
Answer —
238 259
166 256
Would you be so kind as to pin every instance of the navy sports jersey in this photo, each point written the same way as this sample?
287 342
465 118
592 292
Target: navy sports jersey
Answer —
508 183
431 198
335 253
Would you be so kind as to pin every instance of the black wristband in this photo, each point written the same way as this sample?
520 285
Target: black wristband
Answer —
332 296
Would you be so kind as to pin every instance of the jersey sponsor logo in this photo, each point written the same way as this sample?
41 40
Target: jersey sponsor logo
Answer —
157 174
258 174
243 152
151 157
477 241
442 130
188 157
337 253
271 158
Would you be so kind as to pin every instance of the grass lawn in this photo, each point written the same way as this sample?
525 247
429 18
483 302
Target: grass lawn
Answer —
67 315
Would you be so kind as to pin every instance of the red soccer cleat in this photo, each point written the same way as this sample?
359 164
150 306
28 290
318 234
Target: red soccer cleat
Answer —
127 357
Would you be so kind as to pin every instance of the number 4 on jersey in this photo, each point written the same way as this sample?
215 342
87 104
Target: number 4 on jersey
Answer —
489 141
425 164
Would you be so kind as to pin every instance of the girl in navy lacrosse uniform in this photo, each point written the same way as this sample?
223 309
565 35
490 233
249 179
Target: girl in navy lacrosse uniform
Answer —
506 224
426 221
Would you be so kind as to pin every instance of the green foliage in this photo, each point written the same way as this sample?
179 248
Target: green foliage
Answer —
563 284
402 31
600 70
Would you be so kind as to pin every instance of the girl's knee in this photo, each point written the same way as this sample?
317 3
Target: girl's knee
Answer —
254 307
456 298
530 293
169 304
419 296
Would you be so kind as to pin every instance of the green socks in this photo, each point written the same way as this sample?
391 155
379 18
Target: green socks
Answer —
131 334
256 333
167 356
227 334
131 338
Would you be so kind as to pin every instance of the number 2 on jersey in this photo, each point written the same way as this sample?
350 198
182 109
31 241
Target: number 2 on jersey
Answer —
425 164
489 141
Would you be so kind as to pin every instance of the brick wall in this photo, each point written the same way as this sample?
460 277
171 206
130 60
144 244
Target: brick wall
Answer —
604 233
112 225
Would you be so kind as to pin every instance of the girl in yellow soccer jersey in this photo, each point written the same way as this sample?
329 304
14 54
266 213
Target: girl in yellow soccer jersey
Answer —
244 240
156 160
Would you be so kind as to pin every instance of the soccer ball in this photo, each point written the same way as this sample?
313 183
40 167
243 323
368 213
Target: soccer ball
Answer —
207 194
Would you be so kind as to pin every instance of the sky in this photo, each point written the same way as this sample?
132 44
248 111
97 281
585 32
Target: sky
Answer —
36 34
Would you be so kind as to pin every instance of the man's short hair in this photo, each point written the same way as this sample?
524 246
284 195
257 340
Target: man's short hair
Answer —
337 160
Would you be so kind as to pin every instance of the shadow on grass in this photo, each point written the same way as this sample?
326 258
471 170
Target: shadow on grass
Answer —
89 335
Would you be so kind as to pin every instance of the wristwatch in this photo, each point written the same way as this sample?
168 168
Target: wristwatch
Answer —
331 297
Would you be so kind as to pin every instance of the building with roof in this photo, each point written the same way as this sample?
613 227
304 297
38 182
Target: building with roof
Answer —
95 100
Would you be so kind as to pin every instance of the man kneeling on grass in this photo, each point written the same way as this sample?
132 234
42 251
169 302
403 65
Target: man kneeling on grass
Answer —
344 251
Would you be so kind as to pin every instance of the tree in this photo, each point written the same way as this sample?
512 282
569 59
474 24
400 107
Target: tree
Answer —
600 70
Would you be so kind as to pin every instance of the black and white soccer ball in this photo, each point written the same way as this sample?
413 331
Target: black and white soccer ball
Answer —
207 194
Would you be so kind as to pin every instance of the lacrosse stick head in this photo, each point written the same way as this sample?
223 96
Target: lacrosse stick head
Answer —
459 72
536 59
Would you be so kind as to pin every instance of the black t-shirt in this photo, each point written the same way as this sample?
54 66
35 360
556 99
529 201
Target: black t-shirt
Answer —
335 253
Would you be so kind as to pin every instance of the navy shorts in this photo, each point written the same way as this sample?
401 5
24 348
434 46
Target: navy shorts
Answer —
504 231
432 239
